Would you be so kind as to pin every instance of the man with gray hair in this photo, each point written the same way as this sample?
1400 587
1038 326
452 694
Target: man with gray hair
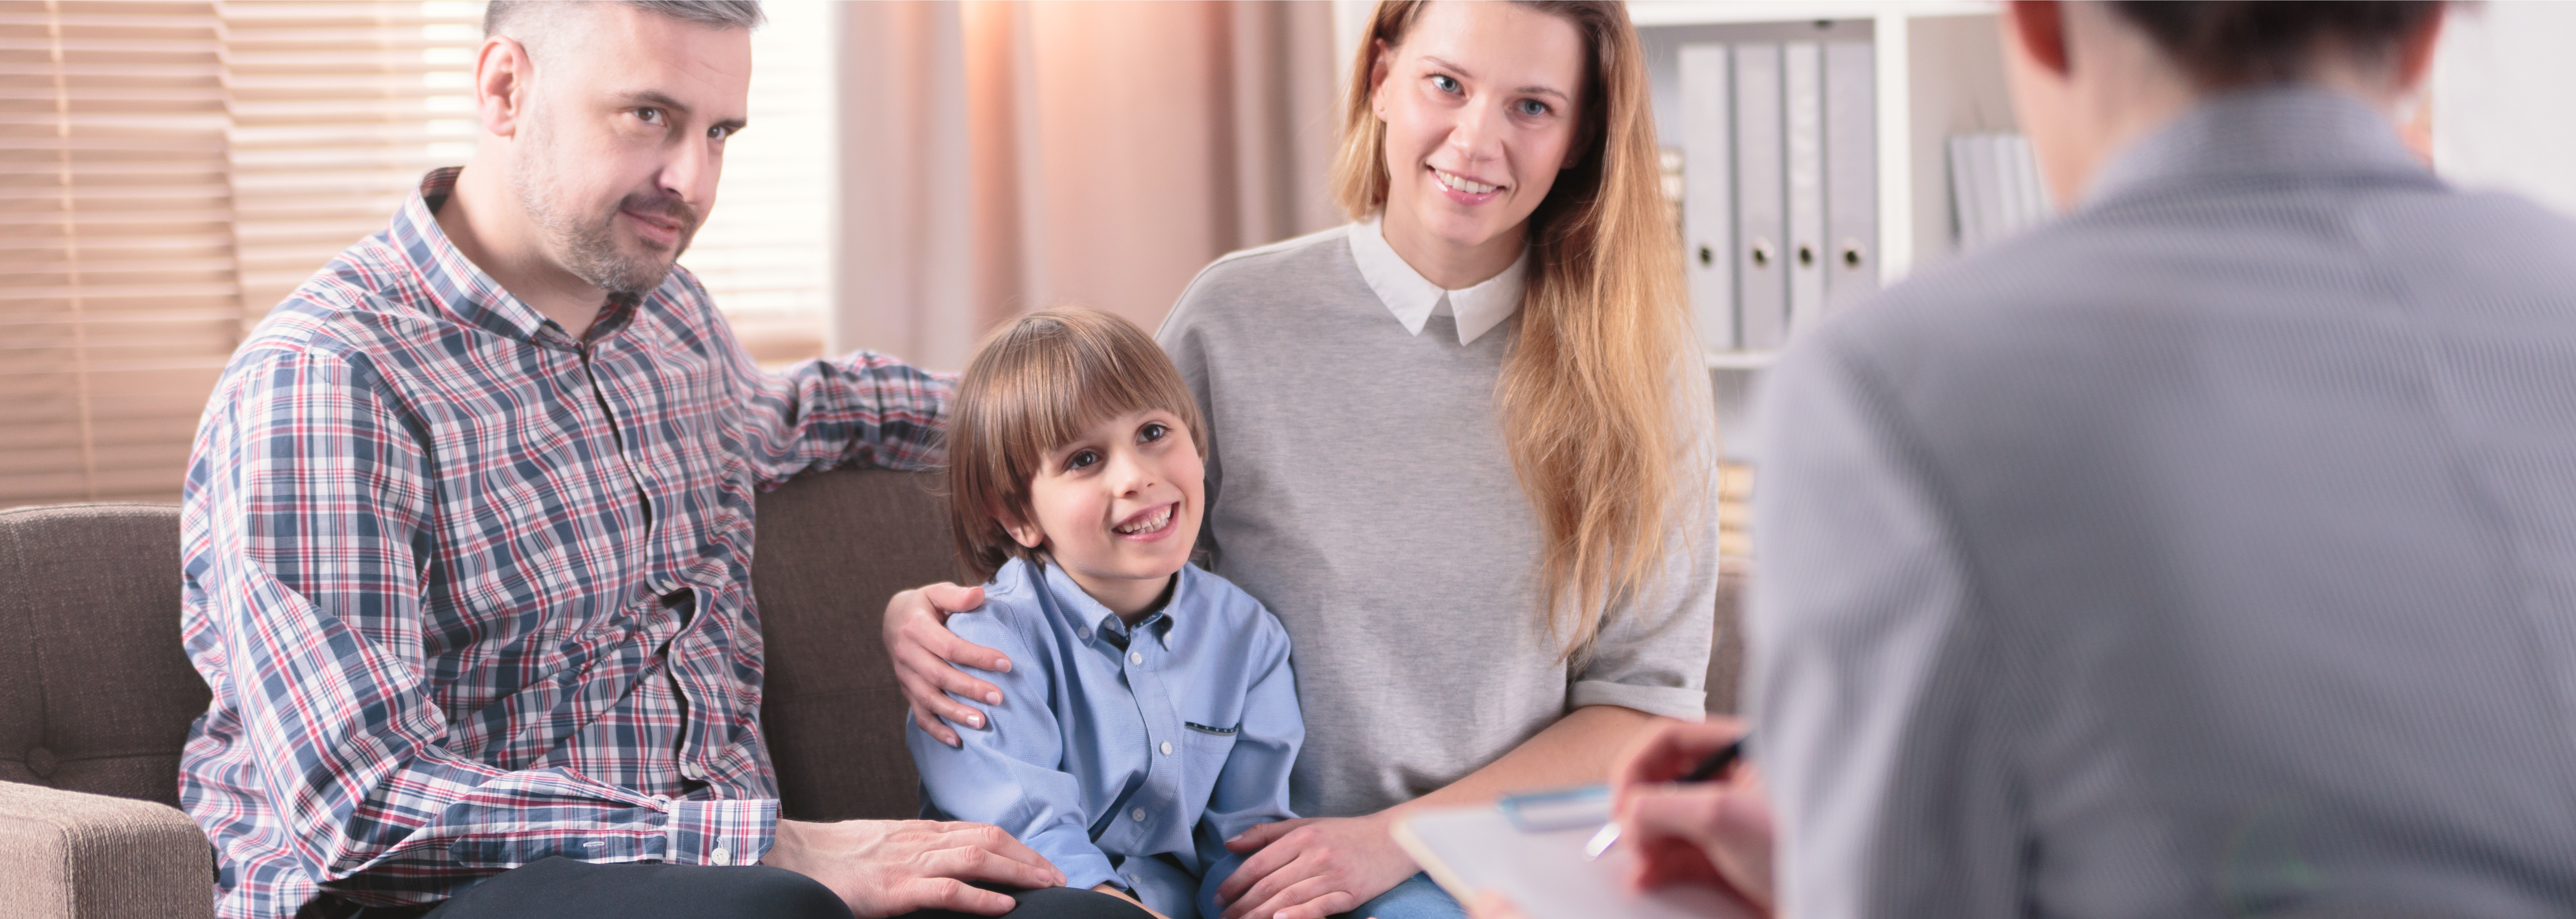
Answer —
467 536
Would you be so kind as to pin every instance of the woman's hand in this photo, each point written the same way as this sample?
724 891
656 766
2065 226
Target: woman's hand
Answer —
1715 834
917 637
1313 867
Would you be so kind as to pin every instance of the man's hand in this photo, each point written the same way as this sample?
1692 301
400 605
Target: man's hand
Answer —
1715 834
1313 867
891 867
917 637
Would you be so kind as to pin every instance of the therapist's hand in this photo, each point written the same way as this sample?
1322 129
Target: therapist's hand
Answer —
1493 905
1715 834
917 637
1313 867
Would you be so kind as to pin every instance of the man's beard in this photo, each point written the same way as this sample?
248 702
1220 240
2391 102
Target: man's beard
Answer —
587 246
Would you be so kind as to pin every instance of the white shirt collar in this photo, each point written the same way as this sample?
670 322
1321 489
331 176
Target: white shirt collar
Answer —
1414 299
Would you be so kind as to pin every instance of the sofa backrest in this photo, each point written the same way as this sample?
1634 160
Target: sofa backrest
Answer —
95 693
833 548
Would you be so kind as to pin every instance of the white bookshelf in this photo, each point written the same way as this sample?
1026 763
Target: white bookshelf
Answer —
1939 73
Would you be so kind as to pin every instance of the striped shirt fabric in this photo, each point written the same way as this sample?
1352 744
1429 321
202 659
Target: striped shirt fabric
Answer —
471 592
2207 551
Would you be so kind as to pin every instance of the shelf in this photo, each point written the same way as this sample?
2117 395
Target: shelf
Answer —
1717 12
1739 360
1940 73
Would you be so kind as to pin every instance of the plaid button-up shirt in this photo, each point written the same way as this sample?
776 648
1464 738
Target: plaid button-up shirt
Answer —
471 592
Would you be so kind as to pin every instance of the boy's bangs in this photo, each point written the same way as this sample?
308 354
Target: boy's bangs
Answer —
1070 390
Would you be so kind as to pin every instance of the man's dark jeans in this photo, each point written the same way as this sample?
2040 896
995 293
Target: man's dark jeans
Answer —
561 888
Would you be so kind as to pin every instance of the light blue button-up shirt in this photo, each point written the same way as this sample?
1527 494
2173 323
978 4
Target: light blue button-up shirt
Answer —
1124 755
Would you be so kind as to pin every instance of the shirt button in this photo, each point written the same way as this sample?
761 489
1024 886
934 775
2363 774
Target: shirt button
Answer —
720 857
691 771
1135 657
1084 632
1167 748
1137 815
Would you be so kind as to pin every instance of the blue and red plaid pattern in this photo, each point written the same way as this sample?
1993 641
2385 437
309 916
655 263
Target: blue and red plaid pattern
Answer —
470 592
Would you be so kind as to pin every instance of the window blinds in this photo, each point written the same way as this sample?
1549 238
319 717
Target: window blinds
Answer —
118 298
761 251
337 109
171 170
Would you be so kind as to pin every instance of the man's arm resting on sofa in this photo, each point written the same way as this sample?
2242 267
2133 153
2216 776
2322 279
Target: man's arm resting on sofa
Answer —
858 410
69 855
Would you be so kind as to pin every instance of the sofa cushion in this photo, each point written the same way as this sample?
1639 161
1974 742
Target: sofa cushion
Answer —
95 693
832 549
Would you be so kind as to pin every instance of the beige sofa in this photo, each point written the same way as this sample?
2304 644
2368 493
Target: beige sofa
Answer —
96 696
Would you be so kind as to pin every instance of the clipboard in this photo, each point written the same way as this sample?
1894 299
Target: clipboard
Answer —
1530 848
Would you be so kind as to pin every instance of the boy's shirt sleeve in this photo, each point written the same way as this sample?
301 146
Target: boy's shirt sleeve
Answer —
1252 789
1009 774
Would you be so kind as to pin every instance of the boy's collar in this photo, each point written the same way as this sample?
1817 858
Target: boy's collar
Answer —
1102 619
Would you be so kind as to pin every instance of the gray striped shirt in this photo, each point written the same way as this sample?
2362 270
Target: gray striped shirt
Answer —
2209 550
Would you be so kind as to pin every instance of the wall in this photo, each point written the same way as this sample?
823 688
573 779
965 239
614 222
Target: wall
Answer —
2504 100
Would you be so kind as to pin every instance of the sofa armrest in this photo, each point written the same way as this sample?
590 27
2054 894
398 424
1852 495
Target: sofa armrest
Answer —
69 855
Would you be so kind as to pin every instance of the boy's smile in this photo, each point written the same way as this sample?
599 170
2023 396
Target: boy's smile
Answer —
1118 508
1150 524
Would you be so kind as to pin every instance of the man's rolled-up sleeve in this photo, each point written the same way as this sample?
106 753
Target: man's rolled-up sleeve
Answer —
860 410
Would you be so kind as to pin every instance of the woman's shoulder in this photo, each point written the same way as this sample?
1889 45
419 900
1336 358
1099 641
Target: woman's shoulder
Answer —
1251 280
1299 250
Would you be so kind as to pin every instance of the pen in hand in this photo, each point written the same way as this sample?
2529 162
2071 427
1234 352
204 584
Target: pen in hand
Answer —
1715 765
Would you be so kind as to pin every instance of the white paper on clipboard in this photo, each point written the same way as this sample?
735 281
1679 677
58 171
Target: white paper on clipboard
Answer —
1540 864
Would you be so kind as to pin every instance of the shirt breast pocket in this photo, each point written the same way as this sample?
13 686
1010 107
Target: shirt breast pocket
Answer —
1207 748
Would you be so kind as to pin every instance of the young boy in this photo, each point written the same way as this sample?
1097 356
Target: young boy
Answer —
1149 714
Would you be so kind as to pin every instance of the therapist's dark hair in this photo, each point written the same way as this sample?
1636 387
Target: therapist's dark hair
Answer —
2227 43
1033 386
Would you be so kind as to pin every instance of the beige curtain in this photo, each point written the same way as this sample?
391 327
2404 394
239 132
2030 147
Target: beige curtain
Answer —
997 156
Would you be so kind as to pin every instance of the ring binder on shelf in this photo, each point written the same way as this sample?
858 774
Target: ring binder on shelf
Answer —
1851 173
1708 186
1761 282
1803 128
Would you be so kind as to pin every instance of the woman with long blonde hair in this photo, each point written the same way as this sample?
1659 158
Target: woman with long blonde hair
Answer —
1461 447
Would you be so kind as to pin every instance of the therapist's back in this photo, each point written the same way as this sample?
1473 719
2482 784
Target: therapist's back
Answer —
2210 551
